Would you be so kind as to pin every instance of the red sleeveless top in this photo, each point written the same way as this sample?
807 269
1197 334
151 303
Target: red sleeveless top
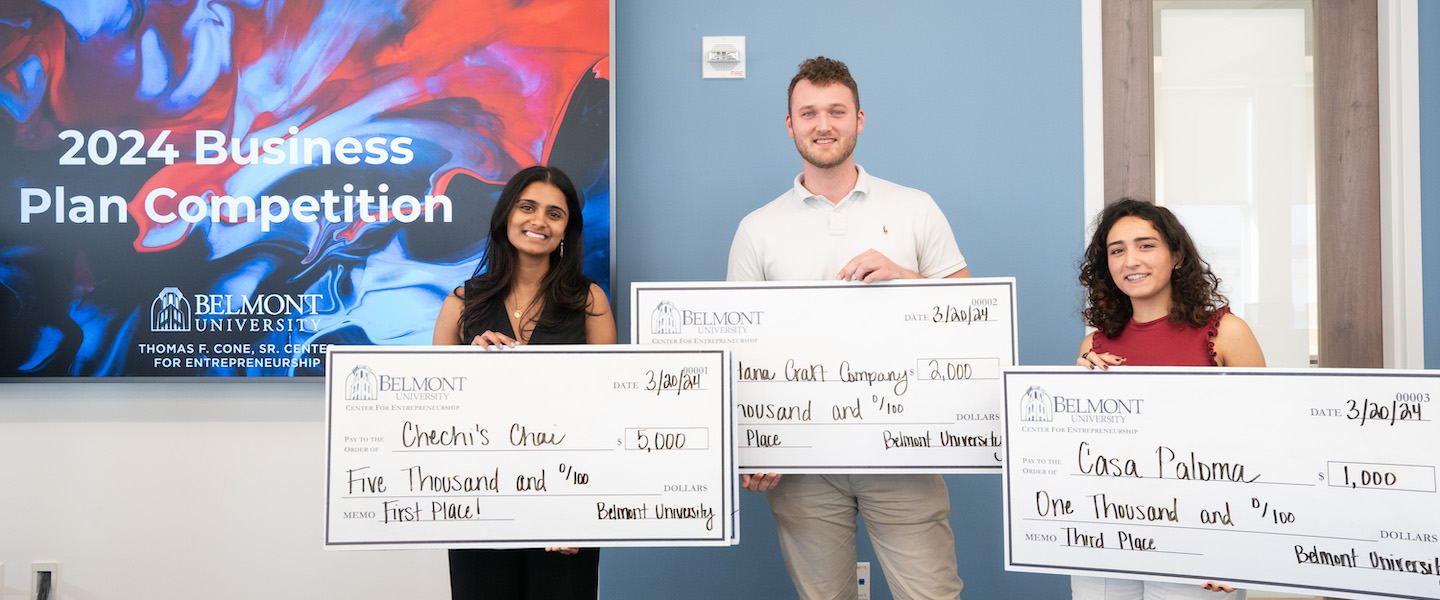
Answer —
1160 343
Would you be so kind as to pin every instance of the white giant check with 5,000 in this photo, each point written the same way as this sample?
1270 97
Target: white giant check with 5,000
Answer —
1319 481
839 377
455 447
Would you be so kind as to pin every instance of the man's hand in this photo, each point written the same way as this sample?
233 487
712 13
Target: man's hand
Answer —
872 266
759 482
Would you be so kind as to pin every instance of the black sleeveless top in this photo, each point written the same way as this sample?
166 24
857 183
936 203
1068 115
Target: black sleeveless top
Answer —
571 329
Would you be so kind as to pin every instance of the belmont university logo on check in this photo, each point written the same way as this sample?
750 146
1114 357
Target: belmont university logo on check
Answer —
1037 406
361 385
667 319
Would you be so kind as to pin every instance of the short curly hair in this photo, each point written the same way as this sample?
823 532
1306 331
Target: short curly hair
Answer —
1194 289
823 71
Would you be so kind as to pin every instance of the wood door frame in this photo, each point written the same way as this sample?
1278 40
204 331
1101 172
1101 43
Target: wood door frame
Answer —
1347 183
1363 323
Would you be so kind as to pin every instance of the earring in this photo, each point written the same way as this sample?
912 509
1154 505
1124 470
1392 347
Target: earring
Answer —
562 248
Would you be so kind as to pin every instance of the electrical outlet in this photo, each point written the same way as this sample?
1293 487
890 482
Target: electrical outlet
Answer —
44 580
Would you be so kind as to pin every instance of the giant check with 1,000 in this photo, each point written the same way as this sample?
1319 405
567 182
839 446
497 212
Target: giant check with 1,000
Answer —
1319 481
455 447
839 377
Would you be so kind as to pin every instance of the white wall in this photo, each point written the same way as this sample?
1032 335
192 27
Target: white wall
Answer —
183 490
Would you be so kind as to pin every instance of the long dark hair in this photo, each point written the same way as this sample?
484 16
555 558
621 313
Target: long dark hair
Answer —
564 287
1194 289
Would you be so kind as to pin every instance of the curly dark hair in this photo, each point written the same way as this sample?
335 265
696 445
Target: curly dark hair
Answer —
1194 289
564 287
823 71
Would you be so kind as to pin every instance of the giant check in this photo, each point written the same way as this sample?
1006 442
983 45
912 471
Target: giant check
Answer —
455 447
838 377
1317 481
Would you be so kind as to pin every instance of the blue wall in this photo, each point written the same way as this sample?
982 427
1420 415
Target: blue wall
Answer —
1430 175
976 102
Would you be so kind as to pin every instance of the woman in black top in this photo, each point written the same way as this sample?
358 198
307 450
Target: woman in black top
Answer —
529 289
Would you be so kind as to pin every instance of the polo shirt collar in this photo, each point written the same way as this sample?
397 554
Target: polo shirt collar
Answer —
861 191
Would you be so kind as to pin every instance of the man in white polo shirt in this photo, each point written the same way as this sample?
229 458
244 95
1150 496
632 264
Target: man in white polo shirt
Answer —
839 222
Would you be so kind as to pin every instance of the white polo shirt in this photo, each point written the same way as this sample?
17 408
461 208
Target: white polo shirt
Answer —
804 237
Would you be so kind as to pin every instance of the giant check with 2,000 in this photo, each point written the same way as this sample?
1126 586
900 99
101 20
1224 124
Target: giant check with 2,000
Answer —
839 377
455 447
1318 481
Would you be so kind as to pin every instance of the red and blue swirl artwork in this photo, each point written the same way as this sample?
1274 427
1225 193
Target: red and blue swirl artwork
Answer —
208 188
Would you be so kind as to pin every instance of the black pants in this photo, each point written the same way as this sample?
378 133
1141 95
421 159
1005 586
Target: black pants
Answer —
531 574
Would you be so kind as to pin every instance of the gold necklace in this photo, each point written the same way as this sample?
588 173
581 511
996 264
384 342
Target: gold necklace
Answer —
518 312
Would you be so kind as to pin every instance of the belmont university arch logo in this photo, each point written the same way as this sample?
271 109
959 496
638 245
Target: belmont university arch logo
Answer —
665 318
1035 406
361 384
170 311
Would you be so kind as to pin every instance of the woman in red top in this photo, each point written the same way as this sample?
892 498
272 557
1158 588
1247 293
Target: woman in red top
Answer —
1154 302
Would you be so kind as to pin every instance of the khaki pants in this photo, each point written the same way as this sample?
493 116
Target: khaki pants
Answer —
908 517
